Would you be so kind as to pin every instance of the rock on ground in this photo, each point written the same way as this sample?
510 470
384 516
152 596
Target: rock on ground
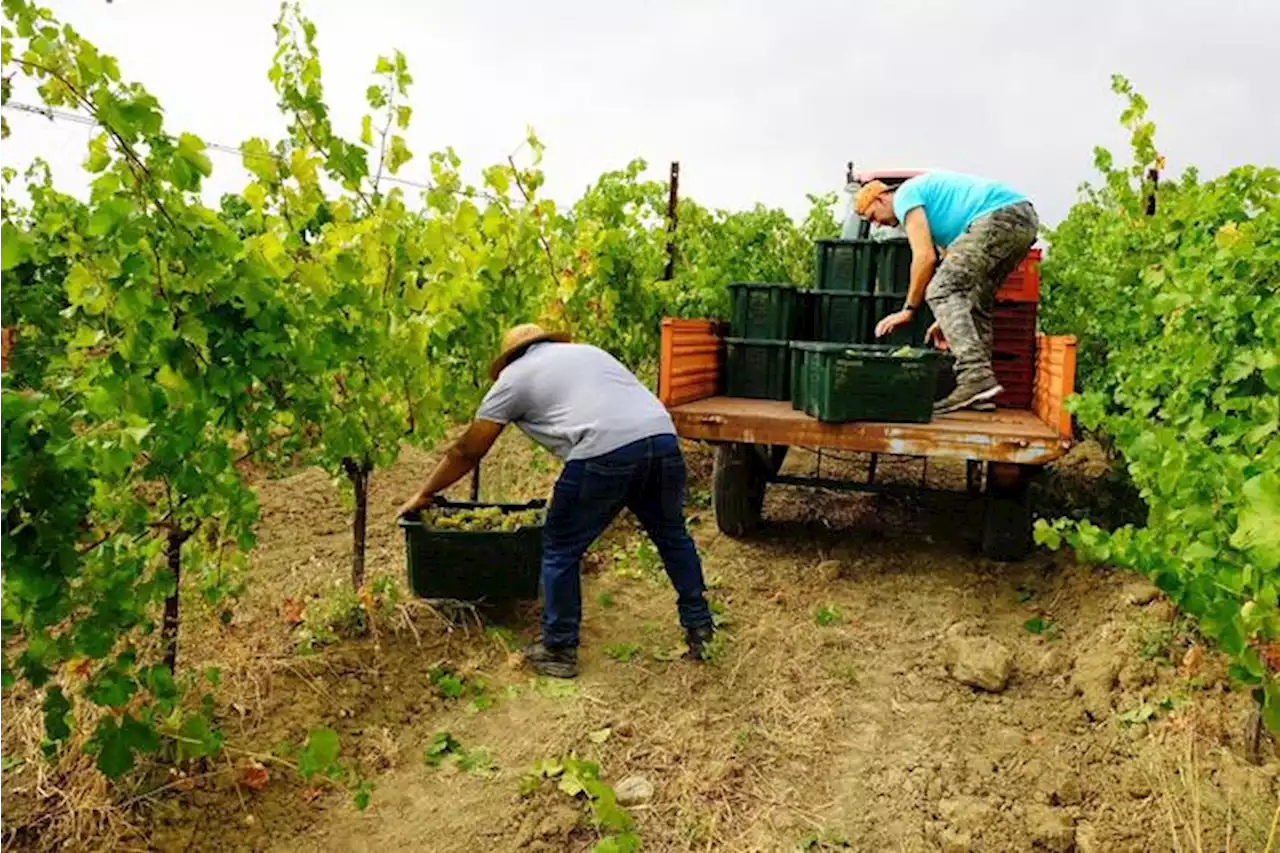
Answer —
633 791
1095 675
979 662
1050 829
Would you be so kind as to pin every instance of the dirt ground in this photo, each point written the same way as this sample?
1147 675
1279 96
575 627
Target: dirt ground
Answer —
838 712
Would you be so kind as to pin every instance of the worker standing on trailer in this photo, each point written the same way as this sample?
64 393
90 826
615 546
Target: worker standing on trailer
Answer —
986 228
620 451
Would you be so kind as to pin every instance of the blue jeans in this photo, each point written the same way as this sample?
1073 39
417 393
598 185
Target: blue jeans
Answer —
646 477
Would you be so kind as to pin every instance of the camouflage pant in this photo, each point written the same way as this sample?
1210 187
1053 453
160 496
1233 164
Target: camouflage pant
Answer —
962 293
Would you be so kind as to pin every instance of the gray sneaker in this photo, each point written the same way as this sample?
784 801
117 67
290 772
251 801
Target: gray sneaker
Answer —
967 394
983 406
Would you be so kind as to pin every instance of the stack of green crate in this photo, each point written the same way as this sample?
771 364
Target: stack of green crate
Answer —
765 318
843 372
856 284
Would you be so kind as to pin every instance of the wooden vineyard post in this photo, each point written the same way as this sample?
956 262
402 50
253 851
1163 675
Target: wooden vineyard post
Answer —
672 199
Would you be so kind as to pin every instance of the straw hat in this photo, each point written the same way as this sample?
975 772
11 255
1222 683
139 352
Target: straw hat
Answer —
519 337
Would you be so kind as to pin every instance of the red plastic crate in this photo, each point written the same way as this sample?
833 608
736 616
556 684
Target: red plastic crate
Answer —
1013 329
1015 369
1023 284
1014 316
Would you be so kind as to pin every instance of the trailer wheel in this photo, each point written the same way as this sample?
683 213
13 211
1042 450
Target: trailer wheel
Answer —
738 483
1006 522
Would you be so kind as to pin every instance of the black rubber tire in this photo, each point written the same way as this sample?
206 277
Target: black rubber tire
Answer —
738 481
1006 521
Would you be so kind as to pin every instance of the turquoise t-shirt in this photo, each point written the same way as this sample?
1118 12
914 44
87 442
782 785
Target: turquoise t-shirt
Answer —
952 201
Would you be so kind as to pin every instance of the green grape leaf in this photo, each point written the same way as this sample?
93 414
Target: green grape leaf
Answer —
319 753
1258 525
14 247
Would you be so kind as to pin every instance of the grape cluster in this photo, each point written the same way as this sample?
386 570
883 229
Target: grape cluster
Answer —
482 519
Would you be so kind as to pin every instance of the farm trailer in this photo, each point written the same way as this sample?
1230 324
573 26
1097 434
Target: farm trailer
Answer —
1003 449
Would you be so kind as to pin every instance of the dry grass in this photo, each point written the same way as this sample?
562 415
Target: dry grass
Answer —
64 802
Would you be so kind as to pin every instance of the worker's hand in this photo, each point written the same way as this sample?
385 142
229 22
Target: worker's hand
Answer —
415 503
893 321
935 337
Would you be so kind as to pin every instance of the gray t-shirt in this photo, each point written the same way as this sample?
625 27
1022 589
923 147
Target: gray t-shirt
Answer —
575 400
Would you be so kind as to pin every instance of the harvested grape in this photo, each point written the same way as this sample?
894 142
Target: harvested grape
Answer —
487 518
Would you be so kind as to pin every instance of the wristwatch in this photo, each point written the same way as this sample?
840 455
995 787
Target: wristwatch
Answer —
907 306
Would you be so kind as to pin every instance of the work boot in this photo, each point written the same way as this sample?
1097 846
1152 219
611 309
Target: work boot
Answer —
967 393
697 639
555 661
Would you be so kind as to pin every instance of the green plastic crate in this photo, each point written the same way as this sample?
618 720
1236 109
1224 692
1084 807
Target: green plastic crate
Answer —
866 383
760 369
893 267
797 375
806 308
473 565
911 335
764 311
803 361
842 317
844 265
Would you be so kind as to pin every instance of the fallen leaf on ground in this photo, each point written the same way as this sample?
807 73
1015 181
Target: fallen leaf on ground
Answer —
292 611
254 776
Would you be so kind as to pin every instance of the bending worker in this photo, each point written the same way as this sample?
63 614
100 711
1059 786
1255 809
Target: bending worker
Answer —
986 228
620 450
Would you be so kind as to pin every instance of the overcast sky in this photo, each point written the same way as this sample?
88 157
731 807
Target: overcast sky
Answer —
759 101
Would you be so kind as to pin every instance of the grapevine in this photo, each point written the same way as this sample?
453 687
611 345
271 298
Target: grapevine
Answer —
1178 315
315 316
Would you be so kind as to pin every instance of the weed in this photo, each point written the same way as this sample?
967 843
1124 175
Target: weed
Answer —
846 672
443 746
1046 627
1145 712
445 749
481 703
827 615
623 652
605 600
719 613
555 688
327 619
672 654
451 685
639 562
1155 643
742 737
316 759
580 779
344 614
716 650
